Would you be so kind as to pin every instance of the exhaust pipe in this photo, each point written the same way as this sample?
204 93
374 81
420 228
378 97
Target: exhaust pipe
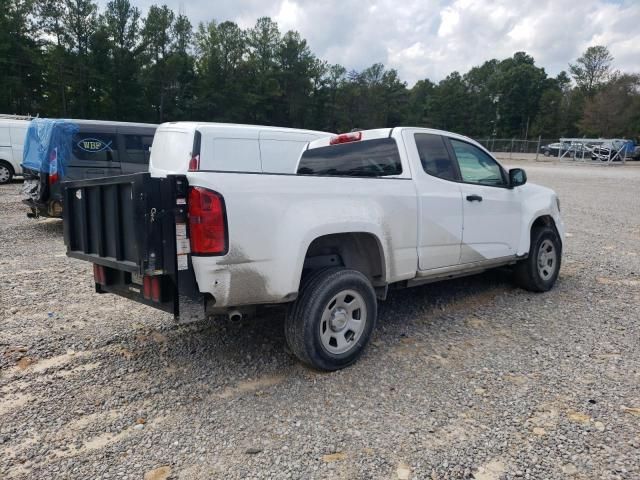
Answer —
235 315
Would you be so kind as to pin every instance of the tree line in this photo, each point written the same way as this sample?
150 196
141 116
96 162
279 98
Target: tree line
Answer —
69 58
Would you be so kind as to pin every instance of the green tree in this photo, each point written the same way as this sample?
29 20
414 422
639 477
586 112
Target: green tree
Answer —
264 93
447 106
615 110
592 69
122 29
180 71
80 23
158 39
295 71
20 58
222 72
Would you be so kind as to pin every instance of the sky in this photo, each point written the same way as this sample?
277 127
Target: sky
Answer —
431 38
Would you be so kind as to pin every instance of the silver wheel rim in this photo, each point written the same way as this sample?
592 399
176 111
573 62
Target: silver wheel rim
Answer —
4 174
343 322
547 259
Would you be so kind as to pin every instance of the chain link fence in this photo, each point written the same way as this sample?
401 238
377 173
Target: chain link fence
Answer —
564 149
517 149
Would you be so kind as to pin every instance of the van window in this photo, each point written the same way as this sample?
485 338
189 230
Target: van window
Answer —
369 158
94 147
137 148
231 155
280 156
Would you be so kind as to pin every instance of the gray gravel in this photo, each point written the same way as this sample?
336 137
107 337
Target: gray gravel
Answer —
468 379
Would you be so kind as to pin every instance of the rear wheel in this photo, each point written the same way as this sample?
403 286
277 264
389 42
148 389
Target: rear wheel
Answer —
6 172
330 323
539 271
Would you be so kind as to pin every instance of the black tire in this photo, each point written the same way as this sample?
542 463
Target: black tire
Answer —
547 153
7 172
304 323
528 274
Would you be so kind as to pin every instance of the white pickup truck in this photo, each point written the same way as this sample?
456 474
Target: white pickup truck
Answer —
364 212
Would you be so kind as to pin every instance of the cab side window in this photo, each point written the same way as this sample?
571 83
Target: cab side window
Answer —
476 166
434 156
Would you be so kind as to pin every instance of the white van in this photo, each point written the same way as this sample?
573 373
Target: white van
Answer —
12 133
227 147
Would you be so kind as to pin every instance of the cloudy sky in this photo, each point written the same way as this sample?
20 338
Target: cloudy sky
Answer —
431 38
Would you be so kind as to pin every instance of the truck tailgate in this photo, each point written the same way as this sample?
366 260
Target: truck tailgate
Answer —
133 228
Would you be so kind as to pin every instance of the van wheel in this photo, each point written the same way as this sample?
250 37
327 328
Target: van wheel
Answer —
330 323
6 173
539 271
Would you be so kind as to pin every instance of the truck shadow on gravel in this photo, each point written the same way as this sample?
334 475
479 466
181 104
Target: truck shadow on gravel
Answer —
256 346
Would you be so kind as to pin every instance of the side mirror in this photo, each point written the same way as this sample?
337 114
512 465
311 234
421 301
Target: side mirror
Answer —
517 177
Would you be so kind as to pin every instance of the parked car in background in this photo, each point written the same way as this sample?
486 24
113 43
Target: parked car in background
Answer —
609 150
210 231
573 149
12 133
57 150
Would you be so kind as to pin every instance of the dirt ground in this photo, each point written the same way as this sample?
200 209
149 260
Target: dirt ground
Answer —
471 378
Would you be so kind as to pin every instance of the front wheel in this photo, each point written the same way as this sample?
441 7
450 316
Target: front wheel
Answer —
330 323
6 173
539 271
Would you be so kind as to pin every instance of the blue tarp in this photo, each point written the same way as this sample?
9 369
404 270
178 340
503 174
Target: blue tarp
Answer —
47 146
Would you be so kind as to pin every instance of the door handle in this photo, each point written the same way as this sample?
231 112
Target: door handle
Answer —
474 198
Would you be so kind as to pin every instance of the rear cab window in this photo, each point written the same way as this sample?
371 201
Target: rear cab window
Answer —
369 158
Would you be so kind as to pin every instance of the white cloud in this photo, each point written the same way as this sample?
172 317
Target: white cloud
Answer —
431 38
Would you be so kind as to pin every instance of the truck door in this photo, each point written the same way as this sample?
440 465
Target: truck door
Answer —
439 200
491 210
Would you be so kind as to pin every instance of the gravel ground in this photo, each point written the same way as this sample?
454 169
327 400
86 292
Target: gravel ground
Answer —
470 378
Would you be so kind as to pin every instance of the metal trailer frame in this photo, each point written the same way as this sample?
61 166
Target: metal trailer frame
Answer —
582 142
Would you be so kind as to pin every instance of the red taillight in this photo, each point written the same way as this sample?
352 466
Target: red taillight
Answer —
207 225
346 138
146 287
99 274
53 167
156 291
194 163
152 288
